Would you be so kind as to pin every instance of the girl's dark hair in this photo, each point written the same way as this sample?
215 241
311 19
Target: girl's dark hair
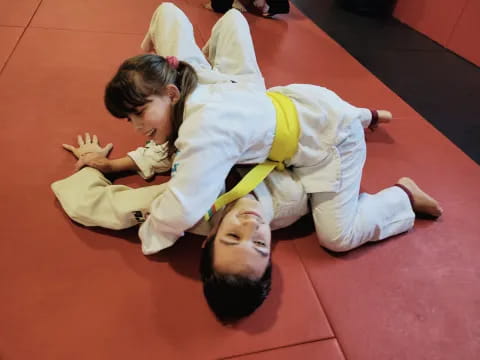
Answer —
231 297
144 75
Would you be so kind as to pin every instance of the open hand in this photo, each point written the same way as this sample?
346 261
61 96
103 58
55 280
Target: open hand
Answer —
89 145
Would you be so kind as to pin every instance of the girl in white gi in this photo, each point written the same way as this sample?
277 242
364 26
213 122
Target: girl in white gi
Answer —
227 118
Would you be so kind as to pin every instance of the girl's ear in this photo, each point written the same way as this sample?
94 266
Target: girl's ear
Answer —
173 93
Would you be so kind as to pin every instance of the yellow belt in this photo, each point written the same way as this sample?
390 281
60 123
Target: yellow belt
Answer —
285 143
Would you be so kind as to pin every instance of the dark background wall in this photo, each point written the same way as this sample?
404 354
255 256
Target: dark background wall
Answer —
442 86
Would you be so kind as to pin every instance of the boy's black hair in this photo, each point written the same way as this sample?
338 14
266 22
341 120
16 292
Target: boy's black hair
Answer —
231 297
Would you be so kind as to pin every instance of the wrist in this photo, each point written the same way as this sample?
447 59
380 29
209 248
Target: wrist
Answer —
122 164
110 166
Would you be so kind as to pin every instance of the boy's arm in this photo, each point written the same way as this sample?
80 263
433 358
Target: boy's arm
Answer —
90 199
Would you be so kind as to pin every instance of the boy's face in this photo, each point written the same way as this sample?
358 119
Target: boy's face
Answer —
242 243
154 118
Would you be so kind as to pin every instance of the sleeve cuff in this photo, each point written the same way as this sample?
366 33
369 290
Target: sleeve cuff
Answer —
153 241
151 159
145 170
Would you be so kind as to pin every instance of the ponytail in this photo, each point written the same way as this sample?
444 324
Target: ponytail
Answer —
186 82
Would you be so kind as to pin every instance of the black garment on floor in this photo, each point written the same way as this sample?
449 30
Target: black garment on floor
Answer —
221 6
278 7
275 6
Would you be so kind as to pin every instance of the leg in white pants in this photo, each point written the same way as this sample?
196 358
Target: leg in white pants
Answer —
347 219
171 34
230 48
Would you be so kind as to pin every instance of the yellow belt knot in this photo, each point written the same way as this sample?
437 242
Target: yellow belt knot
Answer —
280 166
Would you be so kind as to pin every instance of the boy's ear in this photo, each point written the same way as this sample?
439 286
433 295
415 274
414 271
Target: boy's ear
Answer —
173 93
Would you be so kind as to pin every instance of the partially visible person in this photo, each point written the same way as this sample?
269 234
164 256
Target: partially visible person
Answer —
266 8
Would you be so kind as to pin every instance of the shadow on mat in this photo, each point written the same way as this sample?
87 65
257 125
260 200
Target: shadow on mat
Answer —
380 135
183 258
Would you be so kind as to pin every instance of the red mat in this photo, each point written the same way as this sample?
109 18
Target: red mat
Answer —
68 292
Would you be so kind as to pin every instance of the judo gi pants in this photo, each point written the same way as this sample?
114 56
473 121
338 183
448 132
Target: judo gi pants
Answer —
347 219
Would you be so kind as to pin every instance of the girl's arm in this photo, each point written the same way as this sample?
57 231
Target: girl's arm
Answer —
105 165
90 153
147 160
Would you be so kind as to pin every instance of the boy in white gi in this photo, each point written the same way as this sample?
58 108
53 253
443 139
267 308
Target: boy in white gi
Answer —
90 199
227 119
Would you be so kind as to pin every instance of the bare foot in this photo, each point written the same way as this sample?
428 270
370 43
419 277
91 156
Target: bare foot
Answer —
422 202
384 116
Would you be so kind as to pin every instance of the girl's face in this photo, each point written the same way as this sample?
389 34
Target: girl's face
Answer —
242 243
154 118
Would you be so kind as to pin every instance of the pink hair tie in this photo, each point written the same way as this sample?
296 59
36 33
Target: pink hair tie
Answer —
172 61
